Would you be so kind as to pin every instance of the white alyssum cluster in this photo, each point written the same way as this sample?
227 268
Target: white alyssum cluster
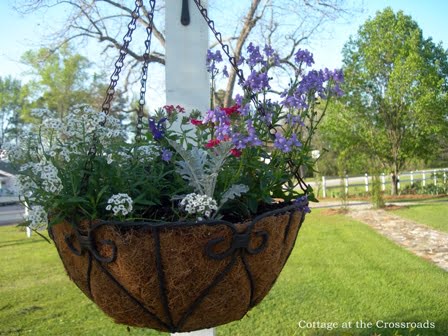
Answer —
120 204
147 153
37 217
200 205
47 173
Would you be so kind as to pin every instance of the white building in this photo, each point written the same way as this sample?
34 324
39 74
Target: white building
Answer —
7 179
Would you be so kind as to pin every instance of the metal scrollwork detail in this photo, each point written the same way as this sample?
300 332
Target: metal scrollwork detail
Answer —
86 243
240 241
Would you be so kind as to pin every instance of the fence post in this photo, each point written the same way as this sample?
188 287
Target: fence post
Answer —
423 178
366 180
383 182
398 183
435 177
324 187
444 176
346 184
412 178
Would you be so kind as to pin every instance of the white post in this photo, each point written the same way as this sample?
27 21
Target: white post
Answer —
187 80
412 178
324 186
398 183
26 215
383 182
444 177
346 184
435 177
203 332
366 180
423 178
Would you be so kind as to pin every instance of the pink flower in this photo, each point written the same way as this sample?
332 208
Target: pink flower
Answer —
196 122
212 143
231 110
235 152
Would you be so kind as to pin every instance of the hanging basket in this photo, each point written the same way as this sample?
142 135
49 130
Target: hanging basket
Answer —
179 276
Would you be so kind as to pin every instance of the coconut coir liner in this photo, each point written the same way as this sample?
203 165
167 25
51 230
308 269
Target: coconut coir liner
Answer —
162 278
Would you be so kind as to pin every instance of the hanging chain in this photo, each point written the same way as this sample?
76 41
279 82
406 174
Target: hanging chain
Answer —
218 36
106 106
120 61
144 76
225 47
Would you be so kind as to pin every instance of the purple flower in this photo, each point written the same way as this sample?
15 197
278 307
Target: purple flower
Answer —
239 99
302 203
294 119
271 55
284 144
257 82
216 116
157 130
250 139
225 72
244 110
268 50
212 59
166 155
304 56
255 56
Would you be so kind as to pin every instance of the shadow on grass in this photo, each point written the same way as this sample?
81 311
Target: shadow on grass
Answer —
20 242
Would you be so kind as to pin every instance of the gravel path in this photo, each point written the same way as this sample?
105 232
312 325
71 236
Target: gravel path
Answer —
425 242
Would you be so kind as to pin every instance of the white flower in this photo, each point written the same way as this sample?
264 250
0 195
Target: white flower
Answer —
37 217
147 153
120 203
109 158
200 205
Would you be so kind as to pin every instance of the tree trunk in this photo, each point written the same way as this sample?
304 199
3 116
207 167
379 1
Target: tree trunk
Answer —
395 180
249 22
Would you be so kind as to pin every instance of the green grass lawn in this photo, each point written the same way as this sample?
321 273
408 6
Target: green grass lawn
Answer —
340 271
431 213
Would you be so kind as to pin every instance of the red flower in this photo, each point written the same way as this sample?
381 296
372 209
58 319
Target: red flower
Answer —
169 109
235 152
180 109
196 122
212 143
231 110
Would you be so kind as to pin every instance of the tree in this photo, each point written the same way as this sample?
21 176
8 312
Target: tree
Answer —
396 105
60 78
285 24
12 102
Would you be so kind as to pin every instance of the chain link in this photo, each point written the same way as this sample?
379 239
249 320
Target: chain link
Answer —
106 106
120 61
226 49
144 76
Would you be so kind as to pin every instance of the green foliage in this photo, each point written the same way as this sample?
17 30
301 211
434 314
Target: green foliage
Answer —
12 102
377 194
395 107
61 77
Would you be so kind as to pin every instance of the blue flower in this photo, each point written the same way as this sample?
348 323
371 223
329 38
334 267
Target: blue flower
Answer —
166 155
157 130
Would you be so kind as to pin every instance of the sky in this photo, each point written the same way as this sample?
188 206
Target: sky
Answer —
21 33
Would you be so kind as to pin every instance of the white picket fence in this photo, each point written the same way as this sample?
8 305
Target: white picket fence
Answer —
425 177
